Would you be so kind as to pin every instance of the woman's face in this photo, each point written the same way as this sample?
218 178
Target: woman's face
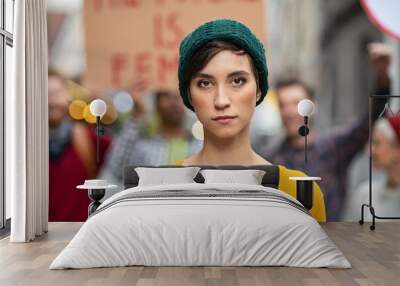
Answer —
384 152
223 94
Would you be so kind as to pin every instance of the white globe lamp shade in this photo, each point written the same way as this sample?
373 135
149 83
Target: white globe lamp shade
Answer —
98 107
305 107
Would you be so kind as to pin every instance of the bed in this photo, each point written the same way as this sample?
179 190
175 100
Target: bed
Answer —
201 224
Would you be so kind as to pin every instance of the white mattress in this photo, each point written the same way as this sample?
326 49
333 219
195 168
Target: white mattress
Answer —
190 230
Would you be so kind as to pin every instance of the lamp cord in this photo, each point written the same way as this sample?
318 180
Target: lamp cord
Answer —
97 139
305 139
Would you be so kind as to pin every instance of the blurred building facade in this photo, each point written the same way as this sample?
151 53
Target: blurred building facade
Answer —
346 74
293 38
324 43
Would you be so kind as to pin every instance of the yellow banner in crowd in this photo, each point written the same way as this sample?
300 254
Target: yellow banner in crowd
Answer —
130 40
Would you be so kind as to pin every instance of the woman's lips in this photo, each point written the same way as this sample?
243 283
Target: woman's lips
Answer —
224 119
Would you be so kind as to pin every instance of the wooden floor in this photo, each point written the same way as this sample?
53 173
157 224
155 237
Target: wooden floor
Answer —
374 255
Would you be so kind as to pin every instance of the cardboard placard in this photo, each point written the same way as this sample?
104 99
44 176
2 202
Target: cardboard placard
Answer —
128 40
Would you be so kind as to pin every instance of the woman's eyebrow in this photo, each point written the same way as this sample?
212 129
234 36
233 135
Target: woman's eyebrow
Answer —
204 75
236 73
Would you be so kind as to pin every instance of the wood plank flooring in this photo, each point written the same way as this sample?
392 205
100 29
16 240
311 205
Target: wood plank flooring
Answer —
374 255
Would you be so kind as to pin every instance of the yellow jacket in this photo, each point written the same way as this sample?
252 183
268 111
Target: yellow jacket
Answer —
289 187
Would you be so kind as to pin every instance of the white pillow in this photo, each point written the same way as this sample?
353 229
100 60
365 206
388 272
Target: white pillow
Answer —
162 176
249 177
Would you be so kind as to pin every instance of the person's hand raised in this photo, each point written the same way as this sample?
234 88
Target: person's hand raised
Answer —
380 55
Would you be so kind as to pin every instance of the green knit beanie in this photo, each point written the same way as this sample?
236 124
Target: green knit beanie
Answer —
226 30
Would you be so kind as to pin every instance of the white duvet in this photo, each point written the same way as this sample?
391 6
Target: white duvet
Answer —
206 230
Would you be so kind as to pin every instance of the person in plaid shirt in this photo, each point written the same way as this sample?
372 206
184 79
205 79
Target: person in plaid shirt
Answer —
330 152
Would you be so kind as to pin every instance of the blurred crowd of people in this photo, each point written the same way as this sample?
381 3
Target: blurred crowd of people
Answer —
330 152
72 154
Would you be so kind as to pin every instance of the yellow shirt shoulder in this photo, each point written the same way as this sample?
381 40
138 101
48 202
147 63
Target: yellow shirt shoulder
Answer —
289 186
